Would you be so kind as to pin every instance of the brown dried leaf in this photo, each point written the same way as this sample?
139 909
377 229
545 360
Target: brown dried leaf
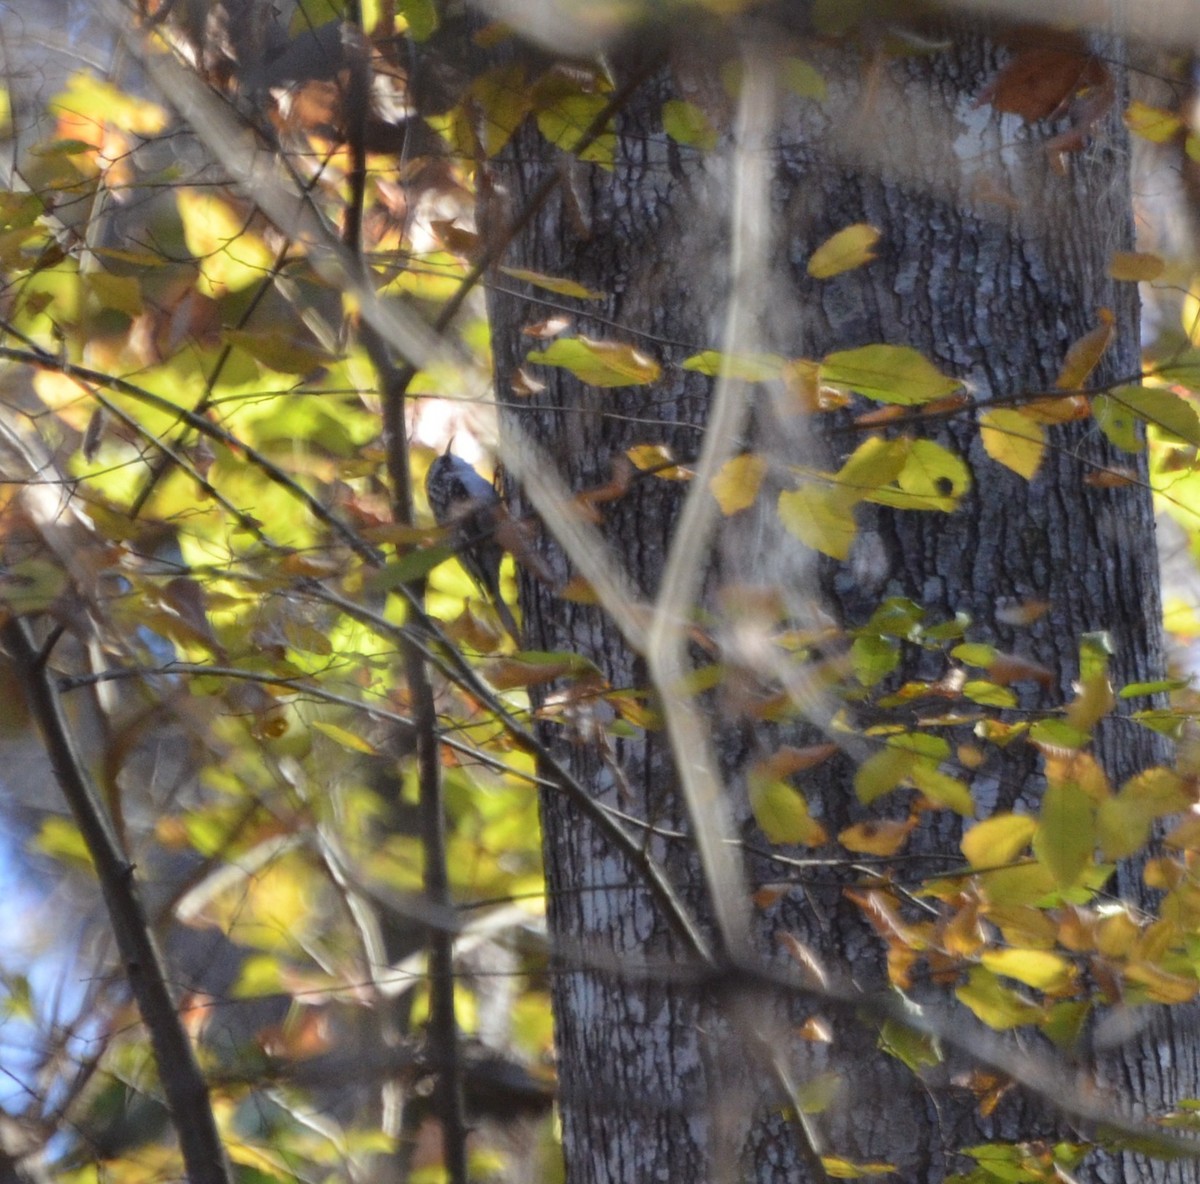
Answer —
1040 81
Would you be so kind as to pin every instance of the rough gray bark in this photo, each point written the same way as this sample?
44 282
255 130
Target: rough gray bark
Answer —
991 264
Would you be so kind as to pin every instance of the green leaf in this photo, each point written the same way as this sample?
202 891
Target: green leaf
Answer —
747 367
1066 837
942 789
975 653
347 739
998 840
851 247
989 694
278 350
914 1049
687 124
1160 686
882 772
1058 733
599 363
411 567
896 617
803 79
888 374
1164 409
1014 440
873 659
816 1094
421 17
782 813
1118 422
1122 826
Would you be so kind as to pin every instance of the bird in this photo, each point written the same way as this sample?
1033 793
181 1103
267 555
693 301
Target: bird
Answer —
467 504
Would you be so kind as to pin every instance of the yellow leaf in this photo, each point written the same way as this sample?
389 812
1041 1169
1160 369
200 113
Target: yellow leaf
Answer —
995 1004
847 1169
1155 124
562 287
875 463
230 256
1035 968
568 115
659 460
884 837
849 248
998 840
1084 356
737 484
346 738
1135 266
1014 440
1161 986
503 98
819 518
932 478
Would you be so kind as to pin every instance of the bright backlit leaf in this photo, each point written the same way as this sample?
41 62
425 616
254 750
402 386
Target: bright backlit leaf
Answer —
1035 968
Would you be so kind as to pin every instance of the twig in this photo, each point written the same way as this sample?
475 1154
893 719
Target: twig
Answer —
183 1084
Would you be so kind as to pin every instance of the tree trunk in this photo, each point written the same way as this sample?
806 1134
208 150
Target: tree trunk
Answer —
992 262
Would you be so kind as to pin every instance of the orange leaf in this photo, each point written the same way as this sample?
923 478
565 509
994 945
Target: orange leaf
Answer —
1084 356
1041 80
